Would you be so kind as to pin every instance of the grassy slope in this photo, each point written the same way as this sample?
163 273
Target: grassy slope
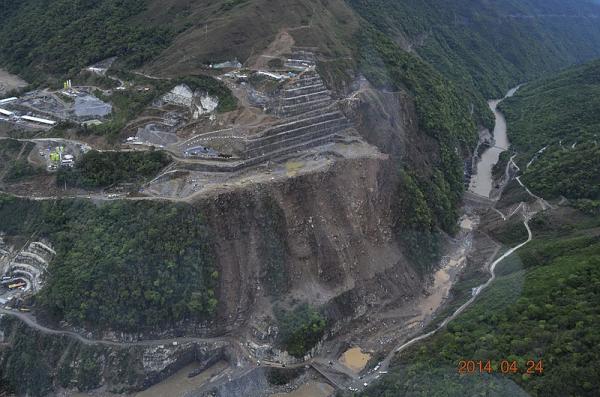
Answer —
216 33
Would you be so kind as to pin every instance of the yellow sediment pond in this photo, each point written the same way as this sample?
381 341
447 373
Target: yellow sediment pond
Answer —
355 359
441 287
312 389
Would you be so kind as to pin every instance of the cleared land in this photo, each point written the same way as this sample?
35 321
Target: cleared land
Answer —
9 82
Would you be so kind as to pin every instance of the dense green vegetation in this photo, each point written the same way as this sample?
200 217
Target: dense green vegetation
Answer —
487 47
214 87
61 36
34 363
574 174
300 329
101 169
14 166
427 198
122 265
414 222
19 170
500 167
561 108
561 114
23 370
545 305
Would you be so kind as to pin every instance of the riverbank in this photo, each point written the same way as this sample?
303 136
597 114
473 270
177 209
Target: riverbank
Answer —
482 181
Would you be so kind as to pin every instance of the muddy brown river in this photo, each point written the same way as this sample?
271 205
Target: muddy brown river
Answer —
481 182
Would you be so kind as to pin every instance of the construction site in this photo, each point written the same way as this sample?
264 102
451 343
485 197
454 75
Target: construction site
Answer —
22 271
287 127
289 124
44 109
286 123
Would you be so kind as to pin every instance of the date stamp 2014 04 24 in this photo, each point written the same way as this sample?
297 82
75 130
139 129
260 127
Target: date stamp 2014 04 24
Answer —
532 367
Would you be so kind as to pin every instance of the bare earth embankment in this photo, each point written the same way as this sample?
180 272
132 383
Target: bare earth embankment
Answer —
9 82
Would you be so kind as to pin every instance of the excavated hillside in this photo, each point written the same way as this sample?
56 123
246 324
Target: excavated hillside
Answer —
201 276
324 237
311 238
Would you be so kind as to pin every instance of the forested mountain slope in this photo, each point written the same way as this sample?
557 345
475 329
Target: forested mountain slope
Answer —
543 304
483 46
559 115
489 46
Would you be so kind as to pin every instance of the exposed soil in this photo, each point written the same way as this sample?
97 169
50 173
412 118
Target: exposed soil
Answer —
312 389
176 385
355 359
9 82
281 46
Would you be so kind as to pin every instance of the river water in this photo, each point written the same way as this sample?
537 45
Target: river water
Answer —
481 181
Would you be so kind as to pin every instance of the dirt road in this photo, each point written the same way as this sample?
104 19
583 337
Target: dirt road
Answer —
31 321
477 291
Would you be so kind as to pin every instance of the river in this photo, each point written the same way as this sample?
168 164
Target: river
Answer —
481 181
484 178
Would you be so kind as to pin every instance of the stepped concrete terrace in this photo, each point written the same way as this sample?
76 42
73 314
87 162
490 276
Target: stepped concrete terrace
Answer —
310 118
31 263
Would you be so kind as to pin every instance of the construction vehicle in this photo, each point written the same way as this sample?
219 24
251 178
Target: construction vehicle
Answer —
17 285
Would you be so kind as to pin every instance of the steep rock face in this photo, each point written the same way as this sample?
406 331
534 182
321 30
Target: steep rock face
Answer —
388 121
311 238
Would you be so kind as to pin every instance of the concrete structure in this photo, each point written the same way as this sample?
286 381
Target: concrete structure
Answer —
235 64
310 118
8 100
38 120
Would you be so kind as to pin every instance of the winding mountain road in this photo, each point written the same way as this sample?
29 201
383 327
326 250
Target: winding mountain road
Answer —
32 322
477 291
